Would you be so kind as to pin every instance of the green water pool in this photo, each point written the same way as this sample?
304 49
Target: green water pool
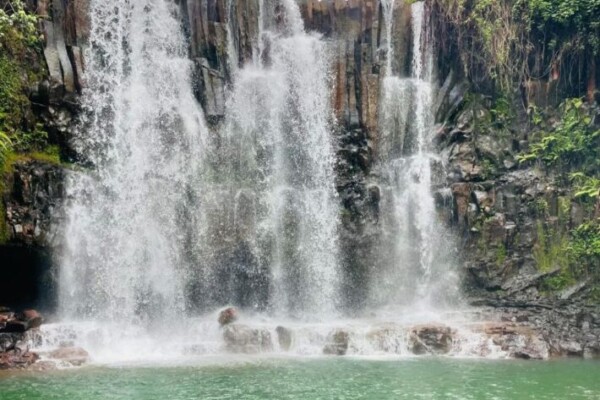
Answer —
316 379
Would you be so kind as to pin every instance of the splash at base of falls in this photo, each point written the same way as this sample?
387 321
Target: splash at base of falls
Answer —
201 340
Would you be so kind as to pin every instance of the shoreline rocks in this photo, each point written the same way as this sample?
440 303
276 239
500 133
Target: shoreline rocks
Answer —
14 348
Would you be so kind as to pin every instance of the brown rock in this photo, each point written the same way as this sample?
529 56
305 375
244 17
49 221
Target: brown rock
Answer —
32 317
228 316
73 355
431 339
15 359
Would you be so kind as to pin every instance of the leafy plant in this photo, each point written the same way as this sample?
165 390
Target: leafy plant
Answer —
19 45
584 248
18 28
573 142
587 187
562 280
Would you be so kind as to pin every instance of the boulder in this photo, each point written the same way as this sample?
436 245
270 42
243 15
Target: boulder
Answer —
571 349
15 359
337 343
517 341
244 339
75 356
8 341
284 337
20 322
15 326
32 318
430 339
228 316
591 352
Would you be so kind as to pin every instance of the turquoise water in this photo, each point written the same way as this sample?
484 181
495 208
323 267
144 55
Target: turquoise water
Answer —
317 379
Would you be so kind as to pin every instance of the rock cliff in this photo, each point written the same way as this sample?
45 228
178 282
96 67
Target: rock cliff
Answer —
505 215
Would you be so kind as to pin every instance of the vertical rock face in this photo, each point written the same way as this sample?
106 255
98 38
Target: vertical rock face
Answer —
493 211
32 200
223 35
65 26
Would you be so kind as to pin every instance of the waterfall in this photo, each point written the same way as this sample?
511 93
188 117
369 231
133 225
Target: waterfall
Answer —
169 220
418 269
142 137
273 180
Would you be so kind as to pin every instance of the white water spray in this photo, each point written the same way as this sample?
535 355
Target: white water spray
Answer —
277 151
419 269
143 135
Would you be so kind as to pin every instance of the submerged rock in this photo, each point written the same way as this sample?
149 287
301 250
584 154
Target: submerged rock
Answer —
75 356
228 316
338 343
244 339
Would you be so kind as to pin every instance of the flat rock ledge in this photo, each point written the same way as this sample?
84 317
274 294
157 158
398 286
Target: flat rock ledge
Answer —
485 339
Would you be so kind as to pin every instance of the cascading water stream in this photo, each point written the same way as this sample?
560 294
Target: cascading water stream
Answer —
172 220
420 263
143 134
276 162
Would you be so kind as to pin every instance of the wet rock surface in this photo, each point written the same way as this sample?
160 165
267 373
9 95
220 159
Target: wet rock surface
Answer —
431 339
246 339
14 341
75 356
33 200
228 316
496 203
337 343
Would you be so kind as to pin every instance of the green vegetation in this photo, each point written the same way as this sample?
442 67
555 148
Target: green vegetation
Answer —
572 143
19 46
575 255
570 147
560 281
575 21
501 254
510 41
586 187
549 252
21 138
584 248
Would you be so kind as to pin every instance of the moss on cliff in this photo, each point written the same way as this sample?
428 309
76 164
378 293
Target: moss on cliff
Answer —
21 68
